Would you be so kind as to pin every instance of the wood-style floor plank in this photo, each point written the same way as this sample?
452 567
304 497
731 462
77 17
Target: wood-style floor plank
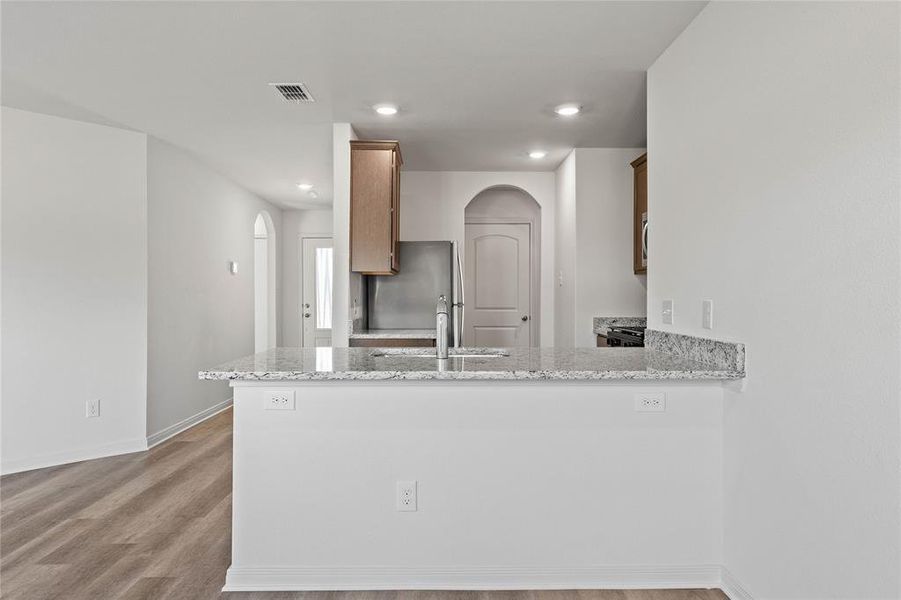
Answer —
149 588
156 525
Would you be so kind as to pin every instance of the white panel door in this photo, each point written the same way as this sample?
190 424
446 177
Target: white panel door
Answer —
498 285
316 298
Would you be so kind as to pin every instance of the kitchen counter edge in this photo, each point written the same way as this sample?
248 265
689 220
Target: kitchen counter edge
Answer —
689 375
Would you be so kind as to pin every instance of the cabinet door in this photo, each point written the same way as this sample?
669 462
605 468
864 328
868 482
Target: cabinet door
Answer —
640 219
371 215
395 212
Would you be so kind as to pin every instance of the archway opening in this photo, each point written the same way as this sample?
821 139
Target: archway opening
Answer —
264 279
502 254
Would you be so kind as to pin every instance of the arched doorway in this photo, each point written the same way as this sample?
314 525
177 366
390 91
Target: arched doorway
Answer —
502 254
264 278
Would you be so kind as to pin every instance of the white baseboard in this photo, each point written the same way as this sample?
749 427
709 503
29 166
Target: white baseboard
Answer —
161 436
54 459
732 587
241 579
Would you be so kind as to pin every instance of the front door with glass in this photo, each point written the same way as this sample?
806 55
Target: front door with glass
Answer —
316 300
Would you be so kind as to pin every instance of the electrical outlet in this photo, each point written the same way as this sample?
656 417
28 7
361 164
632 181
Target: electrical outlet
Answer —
650 402
280 400
92 408
406 496
667 312
707 314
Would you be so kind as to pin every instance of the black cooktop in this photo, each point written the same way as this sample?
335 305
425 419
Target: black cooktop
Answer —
626 335
631 329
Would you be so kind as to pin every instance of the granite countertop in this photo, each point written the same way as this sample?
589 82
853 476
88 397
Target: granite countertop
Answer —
543 364
394 334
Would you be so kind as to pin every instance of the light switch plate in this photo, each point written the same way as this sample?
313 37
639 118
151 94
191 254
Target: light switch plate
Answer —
707 314
667 312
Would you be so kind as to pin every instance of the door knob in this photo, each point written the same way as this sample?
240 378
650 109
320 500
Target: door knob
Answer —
306 315
525 317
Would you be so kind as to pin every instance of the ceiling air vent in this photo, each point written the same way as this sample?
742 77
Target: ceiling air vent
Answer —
294 92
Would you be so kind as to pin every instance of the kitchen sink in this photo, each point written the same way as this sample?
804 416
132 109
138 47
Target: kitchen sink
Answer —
451 353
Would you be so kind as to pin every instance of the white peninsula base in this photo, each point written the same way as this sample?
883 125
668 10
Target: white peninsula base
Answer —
521 484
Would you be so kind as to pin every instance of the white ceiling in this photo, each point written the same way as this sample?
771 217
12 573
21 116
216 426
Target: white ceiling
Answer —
476 82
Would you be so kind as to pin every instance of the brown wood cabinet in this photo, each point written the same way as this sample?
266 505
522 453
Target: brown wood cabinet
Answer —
640 218
374 206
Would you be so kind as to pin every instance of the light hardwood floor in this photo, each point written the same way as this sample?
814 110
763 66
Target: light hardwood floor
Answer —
156 525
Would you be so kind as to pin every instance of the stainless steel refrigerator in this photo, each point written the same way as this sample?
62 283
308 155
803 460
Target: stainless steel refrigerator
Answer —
407 300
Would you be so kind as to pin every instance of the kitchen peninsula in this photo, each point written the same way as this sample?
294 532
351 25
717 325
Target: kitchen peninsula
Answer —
368 468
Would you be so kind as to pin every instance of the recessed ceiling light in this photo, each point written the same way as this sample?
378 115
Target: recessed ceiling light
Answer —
305 186
385 109
537 154
568 110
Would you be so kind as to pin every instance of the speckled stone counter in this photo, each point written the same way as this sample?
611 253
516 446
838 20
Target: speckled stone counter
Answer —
394 334
517 364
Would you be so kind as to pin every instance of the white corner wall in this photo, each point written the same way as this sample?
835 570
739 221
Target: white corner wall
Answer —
773 137
74 246
297 224
606 284
433 205
593 270
565 254
346 285
199 314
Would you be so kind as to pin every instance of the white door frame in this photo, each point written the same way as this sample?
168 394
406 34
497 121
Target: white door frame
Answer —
271 289
300 238
534 268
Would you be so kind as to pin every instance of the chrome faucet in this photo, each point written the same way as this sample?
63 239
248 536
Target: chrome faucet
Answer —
441 326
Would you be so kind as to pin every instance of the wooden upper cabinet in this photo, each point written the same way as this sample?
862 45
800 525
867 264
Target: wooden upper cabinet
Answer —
640 215
374 206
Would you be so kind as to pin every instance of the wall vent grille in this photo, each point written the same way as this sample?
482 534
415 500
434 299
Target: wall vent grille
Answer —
294 92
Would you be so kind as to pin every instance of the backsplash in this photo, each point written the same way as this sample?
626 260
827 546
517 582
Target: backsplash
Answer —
726 355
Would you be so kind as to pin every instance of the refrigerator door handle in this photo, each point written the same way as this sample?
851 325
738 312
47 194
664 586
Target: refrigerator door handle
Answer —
458 322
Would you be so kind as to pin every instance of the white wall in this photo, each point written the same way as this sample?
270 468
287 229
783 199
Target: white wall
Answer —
199 313
297 224
260 284
606 284
565 255
433 205
347 286
260 294
773 137
74 269
594 243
